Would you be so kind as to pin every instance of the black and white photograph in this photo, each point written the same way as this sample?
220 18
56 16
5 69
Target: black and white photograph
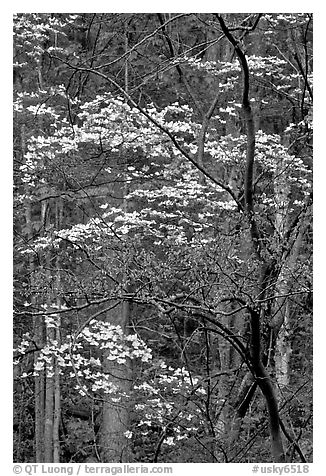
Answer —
162 240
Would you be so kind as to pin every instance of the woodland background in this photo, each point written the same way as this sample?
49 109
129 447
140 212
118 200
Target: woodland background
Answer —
163 237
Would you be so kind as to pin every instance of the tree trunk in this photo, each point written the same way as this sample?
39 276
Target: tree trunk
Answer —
281 312
245 394
49 374
39 387
281 316
38 332
261 375
57 390
39 392
49 409
222 417
114 445
57 407
267 388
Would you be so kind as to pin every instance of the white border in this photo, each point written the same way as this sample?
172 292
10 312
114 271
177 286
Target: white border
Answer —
319 191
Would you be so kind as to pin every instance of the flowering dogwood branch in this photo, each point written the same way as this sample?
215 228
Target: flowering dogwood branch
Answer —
190 157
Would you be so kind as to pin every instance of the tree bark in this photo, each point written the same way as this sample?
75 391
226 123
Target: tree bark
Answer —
114 445
281 306
38 332
49 371
57 389
260 373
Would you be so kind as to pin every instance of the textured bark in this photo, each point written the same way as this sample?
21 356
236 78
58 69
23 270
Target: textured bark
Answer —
57 413
57 390
281 316
39 393
38 332
49 371
113 445
267 388
260 373
246 392
49 403
222 416
281 309
48 423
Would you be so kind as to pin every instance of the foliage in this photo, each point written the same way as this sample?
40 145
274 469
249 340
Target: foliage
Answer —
126 192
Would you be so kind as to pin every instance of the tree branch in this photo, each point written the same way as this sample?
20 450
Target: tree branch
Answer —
250 154
190 157
177 65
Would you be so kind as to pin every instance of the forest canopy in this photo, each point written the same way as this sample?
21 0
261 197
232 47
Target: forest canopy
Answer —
162 237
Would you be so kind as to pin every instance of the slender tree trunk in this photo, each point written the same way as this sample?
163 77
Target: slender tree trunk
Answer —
39 387
281 312
49 372
283 351
281 307
49 409
281 315
245 395
57 407
38 332
57 390
39 392
222 418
